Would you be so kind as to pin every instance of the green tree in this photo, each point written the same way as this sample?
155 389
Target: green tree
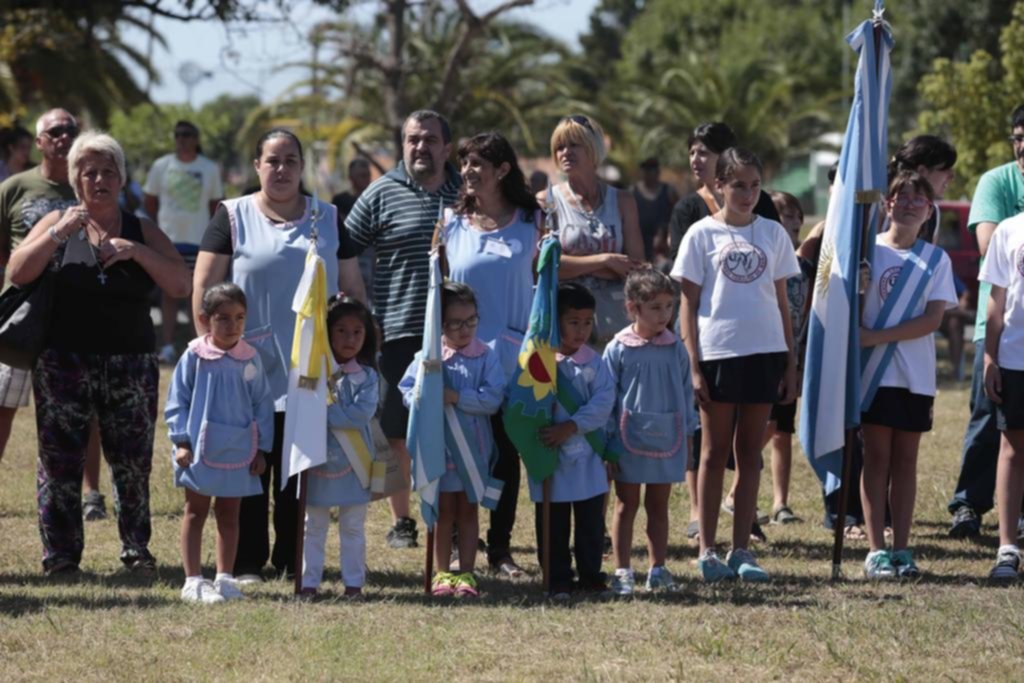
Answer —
970 102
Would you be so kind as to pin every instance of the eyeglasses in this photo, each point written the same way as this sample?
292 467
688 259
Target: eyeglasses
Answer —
184 134
59 131
457 325
916 202
1016 139
581 120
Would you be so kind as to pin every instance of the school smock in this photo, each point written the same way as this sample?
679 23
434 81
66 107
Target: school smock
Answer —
219 403
737 268
267 262
1004 267
475 373
498 266
654 410
356 392
913 364
581 473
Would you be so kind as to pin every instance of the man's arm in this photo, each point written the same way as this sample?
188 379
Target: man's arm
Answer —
983 233
350 279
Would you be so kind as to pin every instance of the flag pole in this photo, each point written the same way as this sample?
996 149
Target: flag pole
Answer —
428 564
300 529
545 522
849 435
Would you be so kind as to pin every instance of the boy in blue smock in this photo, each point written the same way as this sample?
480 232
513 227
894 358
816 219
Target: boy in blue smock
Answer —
586 395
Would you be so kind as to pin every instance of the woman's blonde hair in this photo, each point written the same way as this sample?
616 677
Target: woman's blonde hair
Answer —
94 142
581 130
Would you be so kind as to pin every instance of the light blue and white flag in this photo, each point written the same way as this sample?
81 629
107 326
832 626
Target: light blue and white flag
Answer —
425 436
832 370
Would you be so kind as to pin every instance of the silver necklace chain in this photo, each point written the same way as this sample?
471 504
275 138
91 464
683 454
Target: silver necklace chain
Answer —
589 214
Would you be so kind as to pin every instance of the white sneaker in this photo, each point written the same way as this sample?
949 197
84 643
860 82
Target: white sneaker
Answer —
661 579
228 589
248 579
202 591
623 583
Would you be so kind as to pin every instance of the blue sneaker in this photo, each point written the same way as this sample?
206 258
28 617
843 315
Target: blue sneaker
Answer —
712 569
1007 565
878 565
745 565
903 561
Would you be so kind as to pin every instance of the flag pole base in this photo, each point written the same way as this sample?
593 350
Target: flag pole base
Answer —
428 563
837 572
300 530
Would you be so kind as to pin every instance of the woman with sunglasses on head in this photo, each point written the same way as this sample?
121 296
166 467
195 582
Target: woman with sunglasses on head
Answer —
598 224
491 237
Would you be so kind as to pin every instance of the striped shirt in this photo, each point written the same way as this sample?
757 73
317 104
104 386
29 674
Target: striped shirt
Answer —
396 217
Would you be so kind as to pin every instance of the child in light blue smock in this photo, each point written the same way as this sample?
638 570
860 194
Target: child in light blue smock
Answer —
586 395
475 387
344 480
654 420
220 418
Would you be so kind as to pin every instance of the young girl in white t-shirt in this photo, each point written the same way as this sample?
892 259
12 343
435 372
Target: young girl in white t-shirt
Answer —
911 288
733 266
1004 381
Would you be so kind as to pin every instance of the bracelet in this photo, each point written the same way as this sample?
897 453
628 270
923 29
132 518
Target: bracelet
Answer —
55 237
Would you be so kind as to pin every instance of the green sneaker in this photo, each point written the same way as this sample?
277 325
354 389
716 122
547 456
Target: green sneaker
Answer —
903 561
878 565
443 585
465 586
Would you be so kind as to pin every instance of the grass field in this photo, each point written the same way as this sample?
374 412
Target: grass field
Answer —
106 625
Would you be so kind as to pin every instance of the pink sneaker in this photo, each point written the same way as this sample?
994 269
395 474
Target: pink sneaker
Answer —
465 586
443 585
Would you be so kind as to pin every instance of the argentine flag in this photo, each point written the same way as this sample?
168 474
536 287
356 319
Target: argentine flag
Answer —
832 370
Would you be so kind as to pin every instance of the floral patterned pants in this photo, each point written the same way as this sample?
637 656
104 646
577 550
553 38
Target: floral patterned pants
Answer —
121 390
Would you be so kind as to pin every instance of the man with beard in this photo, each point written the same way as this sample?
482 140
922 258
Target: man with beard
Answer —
396 216
999 195
24 199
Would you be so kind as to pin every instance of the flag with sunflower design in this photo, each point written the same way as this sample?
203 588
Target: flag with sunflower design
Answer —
531 392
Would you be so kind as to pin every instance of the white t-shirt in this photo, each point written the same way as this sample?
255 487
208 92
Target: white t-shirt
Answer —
1004 267
913 364
737 269
185 191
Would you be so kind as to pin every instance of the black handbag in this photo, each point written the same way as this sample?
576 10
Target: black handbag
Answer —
25 319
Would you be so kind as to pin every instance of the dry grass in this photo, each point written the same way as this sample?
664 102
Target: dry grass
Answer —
107 625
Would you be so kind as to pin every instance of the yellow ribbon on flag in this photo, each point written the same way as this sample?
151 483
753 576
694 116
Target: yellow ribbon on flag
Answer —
314 308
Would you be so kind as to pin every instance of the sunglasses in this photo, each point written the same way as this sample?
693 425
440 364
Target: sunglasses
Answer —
467 324
59 131
581 120
1016 139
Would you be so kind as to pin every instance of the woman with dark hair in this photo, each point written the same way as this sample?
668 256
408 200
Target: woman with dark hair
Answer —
706 143
491 236
15 148
933 159
262 240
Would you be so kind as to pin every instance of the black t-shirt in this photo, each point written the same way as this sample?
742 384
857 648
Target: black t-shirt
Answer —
692 208
217 238
101 312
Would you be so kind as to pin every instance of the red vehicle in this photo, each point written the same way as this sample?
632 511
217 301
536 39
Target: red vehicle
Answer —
961 245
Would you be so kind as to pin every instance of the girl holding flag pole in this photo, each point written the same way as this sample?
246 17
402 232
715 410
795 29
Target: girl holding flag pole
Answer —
911 288
474 388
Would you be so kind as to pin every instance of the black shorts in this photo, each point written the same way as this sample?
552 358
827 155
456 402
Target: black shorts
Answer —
1010 413
897 408
745 379
395 357
784 417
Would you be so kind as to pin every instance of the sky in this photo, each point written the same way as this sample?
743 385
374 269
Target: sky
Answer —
242 59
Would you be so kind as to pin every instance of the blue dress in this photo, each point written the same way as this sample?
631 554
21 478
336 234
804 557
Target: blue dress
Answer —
356 393
581 473
220 404
475 372
498 265
654 407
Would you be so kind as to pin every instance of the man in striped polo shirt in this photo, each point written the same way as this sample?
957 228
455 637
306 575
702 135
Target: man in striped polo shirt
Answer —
396 216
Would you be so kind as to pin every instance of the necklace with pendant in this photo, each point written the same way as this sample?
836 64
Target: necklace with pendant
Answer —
95 250
589 214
